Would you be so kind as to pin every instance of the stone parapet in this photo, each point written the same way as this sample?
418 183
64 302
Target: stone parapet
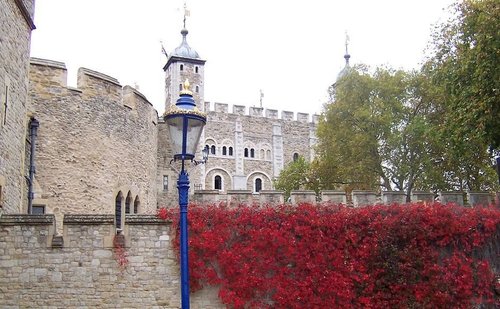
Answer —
363 198
239 197
206 196
271 197
475 198
336 197
394 197
302 196
422 196
456 197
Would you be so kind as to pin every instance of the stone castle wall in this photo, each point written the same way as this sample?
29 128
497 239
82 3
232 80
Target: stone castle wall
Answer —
83 272
15 34
93 142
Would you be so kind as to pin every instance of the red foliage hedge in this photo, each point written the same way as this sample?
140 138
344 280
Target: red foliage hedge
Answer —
331 256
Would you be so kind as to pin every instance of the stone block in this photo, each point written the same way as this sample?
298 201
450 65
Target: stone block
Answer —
271 197
302 196
475 198
393 197
456 197
422 196
336 197
363 198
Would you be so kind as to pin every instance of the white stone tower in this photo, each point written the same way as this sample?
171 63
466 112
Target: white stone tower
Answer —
184 63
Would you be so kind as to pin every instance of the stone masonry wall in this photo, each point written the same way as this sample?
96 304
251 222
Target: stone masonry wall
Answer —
84 272
15 35
93 142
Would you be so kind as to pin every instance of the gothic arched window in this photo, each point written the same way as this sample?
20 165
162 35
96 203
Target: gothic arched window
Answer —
218 183
258 184
118 210
230 151
128 201
224 150
252 153
137 203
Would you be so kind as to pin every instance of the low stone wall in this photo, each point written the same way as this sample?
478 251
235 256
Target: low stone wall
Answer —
80 269
358 197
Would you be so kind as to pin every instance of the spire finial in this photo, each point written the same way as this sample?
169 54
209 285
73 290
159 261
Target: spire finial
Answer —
346 56
186 13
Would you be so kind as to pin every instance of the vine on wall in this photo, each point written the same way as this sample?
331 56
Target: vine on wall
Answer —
398 256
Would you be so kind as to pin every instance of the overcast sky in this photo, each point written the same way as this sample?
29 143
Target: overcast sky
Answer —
292 50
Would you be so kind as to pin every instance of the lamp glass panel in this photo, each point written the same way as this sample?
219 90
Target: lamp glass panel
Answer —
175 130
195 127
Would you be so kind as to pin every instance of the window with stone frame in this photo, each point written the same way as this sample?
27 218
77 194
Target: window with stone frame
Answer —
218 182
196 69
258 184
230 151
246 152
212 149
128 202
224 150
182 67
252 153
137 203
38 209
165 183
295 157
118 210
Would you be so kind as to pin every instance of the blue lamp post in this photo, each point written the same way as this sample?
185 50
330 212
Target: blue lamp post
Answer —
185 124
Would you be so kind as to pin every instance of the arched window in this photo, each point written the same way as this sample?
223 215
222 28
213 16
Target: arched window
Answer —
295 157
230 151
262 154
128 201
218 183
197 89
182 67
137 203
180 87
252 153
118 210
196 69
212 149
258 184
224 150
246 152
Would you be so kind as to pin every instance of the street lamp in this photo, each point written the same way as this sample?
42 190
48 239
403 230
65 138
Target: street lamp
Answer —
185 124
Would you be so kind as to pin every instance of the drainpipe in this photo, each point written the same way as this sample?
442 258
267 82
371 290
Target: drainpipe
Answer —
33 133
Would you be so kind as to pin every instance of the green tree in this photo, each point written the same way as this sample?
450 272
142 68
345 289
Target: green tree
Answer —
464 73
294 176
465 65
376 133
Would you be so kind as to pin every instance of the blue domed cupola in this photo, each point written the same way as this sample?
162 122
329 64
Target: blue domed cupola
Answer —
184 50
183 63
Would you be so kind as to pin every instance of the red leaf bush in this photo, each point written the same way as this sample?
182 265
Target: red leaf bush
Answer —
331 256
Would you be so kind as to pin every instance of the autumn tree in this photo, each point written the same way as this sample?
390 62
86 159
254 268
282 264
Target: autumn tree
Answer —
295 176
464 70
465 64
377 133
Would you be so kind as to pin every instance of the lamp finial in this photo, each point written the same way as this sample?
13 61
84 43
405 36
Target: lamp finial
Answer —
185 88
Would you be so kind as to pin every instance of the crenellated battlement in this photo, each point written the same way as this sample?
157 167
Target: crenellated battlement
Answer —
52 76
254 111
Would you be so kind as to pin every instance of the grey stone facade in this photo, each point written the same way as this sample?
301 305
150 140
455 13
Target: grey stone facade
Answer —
84 272
16 23
94 142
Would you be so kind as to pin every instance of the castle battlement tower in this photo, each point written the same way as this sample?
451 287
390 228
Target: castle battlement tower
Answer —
184 63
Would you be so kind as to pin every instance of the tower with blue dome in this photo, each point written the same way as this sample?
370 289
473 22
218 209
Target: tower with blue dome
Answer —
184 63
